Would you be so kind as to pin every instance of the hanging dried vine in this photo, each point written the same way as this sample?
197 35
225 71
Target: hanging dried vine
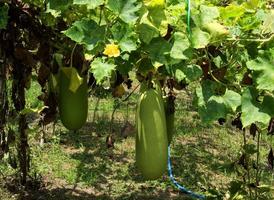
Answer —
3 101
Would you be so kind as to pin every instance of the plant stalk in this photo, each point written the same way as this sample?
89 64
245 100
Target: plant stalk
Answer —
258 162
248 169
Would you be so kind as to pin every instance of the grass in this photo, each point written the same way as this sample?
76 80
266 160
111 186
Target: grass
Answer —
78 165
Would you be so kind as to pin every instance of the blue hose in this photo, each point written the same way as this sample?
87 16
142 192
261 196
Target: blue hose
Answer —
181 188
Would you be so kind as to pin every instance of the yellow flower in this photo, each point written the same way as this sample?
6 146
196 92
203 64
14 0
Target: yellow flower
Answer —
112 50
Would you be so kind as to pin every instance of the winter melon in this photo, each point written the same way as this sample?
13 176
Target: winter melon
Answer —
73 106
151 138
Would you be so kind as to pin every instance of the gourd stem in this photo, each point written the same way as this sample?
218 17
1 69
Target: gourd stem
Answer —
71 55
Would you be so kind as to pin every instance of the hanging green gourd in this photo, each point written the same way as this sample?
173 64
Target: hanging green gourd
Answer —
151 138
73 98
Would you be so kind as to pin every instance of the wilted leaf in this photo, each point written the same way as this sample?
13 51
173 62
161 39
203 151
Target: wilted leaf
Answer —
253 130
118 91
110 141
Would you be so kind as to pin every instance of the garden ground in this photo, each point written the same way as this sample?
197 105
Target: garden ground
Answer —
79 165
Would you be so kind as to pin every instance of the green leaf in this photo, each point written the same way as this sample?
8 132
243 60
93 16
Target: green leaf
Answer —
216 108
268 105
90 3
264 73
179 75
146 30
250 22
252 4
200 39
159 50
126 9
192 72
86 32
128 45
232 100
59 5
101 69
210 107
218 61
50 15
174 14
216 30
181 43
208 14
157 16
124 67
232 11
4 16
122 30
205 91
188 72
126 37
145 65
251 109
